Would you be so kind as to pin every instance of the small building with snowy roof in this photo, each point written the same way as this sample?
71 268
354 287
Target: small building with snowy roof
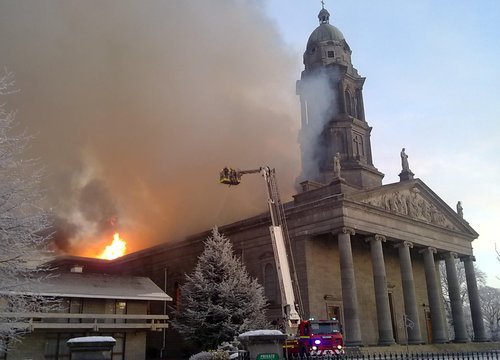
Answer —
90 303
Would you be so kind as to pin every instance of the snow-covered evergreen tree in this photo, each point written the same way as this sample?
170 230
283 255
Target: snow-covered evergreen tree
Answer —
219 300
23 226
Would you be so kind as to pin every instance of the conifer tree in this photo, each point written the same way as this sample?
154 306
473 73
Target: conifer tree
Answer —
219 299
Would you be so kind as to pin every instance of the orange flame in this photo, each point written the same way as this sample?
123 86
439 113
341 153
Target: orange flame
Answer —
115 250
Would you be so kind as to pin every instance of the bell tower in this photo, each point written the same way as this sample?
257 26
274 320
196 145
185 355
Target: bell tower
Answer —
333 123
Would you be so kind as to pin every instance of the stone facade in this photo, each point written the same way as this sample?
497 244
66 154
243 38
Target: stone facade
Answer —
364 252
317 219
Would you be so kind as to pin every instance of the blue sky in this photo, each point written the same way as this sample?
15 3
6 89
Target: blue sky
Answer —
103 81
432 87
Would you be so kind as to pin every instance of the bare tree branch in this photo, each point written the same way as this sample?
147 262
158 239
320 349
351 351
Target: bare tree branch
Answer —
23 224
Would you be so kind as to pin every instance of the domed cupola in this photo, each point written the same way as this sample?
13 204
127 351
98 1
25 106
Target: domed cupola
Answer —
324 16
326 44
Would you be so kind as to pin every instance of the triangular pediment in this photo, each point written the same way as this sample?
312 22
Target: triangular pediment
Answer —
415 200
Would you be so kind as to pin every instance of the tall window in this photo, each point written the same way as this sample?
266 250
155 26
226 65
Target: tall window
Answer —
348 102
338 143
333 312
109 308
75 307
270 284
120 309
359 105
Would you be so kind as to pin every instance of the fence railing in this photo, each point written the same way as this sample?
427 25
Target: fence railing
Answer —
481 355
92 322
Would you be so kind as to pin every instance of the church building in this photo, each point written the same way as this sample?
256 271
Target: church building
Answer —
364 252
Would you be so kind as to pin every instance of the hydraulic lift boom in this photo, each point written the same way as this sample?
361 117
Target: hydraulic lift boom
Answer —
279 235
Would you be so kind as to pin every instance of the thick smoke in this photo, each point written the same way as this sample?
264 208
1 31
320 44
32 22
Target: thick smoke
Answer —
320 106
136 106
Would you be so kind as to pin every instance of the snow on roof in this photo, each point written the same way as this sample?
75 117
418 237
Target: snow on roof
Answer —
97 286
261 333
86 339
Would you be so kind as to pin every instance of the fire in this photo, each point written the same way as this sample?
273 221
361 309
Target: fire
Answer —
115 250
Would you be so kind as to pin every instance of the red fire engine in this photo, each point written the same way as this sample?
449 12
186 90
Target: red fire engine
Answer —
316 337
305 337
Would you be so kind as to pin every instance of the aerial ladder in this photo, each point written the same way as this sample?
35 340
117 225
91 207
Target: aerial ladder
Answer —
287 278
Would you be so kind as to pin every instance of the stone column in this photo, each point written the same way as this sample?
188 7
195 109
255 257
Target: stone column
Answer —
349 293
457 310
385 334
475 303
410 299
434 296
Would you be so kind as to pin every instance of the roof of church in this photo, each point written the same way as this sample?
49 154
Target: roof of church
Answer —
325 32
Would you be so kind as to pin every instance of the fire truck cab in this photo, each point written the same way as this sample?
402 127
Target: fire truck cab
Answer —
316 337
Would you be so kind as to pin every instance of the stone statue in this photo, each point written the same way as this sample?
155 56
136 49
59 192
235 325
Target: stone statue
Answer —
404 161
336 165
460 209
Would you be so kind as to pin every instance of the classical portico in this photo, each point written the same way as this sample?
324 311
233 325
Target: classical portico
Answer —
407 223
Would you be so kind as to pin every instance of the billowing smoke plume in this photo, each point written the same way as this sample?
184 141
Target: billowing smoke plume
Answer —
136 106
319 93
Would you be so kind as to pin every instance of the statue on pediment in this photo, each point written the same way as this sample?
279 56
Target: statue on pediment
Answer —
404 161
460 209
336 165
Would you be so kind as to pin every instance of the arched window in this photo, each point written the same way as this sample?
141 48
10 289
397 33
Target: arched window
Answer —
270 284
359 105
348 102
338 143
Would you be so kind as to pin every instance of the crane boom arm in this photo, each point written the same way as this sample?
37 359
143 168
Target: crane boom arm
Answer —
279 235
292 317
